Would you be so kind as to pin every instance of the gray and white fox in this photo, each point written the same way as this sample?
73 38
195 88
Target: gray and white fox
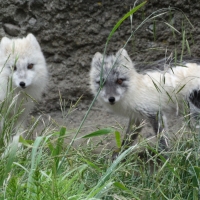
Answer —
23 75
131 94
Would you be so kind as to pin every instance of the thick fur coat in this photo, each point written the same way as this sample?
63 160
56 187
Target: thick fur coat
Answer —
143 95
23 74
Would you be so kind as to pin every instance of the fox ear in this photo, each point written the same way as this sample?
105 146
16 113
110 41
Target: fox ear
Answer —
98 56
122 53
97 59
33 41
5 43
123 56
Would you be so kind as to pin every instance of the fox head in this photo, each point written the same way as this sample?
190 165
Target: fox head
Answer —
24 60
111 74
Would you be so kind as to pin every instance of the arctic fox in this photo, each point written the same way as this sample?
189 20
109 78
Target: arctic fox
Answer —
146 96
23 75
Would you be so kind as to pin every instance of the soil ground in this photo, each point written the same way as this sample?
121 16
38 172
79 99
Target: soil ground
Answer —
97 118
71 119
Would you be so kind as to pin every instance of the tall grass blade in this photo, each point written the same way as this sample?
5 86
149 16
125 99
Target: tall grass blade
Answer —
183 45
123 18
188 47
10 153
118 139
36 156
172 27
104 131
110 171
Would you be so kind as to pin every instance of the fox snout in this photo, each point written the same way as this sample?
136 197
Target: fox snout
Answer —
22 84
111 100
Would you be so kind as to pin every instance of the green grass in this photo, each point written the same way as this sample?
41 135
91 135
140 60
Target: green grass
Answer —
49 168
32 171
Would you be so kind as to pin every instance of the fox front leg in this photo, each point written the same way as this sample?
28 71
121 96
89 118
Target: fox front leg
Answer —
131 134
157 122
194 105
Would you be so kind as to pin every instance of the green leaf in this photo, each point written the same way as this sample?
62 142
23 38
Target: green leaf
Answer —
11 158
164 160
91 164
51 147
110 171
157 88
35 158
118 139
122 187
180 89
169 96
195 172
62 131
123 18
25 142
60 141
99 132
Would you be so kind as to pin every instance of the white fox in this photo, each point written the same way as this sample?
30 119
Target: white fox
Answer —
23 75
131 94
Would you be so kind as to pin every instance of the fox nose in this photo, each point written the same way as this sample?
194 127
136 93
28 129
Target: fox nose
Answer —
111 100
22 84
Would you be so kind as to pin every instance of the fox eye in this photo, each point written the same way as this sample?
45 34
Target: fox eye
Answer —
98 82
119 81
30 66
14 68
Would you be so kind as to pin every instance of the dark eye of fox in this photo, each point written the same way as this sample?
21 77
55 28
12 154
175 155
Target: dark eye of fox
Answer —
119 81
14 68
98 82
30 66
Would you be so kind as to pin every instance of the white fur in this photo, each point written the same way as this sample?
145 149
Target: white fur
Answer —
148 93
21 52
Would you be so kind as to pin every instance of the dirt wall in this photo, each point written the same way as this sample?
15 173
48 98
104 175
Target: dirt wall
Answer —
70 32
